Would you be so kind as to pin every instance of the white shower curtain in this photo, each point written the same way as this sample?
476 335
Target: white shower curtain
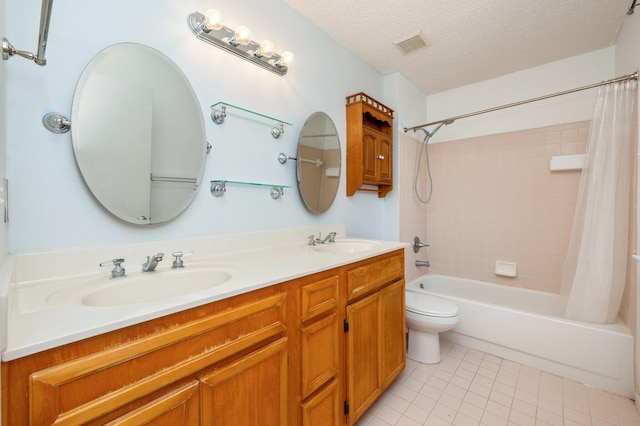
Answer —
594 271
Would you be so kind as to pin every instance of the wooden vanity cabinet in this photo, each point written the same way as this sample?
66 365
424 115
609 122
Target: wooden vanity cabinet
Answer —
315 373
375 349
369 145
314 351
227 357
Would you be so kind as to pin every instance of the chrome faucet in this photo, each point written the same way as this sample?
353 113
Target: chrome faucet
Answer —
152 262
423 263
330 238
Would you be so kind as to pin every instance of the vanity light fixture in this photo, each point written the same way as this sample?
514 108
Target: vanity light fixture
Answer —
209 28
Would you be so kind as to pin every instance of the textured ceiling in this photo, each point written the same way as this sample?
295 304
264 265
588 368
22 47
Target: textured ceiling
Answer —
471 40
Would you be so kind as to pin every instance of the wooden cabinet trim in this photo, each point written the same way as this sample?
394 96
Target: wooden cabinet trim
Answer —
185 395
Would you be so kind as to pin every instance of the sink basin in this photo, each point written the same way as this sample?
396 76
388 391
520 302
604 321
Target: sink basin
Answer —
142 288
348 245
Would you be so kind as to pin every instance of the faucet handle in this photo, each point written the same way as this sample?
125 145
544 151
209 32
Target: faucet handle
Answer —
312 240
118 270
417 244
332 237
177 258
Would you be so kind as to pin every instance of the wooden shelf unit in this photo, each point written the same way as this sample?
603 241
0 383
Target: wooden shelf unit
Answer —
369 145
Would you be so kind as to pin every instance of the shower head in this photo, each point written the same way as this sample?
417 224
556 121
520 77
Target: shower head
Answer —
428 134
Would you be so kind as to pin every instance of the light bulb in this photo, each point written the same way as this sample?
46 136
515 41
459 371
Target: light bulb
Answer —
285 59
242 36
212 19
266 49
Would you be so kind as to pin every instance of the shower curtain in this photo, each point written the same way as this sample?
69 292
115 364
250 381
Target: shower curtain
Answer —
594 271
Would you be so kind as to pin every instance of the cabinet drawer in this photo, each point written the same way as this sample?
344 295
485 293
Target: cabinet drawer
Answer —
320 297
86 388
370 277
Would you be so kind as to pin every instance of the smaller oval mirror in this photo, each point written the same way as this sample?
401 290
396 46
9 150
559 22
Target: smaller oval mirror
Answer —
318 162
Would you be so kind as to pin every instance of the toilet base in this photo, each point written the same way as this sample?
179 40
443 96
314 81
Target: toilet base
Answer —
424 347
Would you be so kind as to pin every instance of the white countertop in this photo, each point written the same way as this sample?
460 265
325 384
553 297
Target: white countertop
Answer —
34 324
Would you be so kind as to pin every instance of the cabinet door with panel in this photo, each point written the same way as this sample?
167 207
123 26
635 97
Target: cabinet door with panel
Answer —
375 336
250 391
393 331
376 157
364 383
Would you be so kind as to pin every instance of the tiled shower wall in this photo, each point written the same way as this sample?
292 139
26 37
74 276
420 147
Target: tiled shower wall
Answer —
494 199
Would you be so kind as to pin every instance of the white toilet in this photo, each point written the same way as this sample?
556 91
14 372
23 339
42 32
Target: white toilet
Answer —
426 316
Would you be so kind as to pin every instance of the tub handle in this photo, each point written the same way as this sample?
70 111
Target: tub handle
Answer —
417 245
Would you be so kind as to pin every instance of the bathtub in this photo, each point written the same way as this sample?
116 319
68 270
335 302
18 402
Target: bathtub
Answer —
526 326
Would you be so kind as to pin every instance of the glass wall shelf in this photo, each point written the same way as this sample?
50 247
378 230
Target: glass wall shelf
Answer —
219 187
220 109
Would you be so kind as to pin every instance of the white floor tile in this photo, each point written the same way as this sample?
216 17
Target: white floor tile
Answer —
471 388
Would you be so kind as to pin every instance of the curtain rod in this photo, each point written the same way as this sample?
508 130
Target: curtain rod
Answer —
450 120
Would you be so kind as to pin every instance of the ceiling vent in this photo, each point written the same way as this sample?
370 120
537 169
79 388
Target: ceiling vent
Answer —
412 43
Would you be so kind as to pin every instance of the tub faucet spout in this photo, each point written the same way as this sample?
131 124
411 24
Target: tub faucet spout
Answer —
423 263
152 262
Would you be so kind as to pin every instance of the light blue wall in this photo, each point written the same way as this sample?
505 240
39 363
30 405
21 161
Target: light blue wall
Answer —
51 208
3 138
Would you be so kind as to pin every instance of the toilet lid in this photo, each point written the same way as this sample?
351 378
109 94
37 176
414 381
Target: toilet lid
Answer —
427 304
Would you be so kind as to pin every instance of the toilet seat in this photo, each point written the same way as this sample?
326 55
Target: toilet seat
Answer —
426 304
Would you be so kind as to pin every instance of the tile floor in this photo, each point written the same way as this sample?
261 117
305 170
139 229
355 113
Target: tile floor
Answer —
469 387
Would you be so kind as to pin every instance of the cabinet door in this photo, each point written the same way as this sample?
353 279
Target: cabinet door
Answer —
393 331
363 355
178 407
323 409
320 355
385 159
250 391
369 155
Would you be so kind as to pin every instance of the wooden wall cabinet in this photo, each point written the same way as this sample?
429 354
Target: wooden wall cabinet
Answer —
314 351
369 145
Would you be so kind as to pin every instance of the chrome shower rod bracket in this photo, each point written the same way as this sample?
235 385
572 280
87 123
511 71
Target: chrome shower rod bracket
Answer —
45 17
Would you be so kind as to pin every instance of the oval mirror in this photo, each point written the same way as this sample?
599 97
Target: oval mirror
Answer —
318 162
138 134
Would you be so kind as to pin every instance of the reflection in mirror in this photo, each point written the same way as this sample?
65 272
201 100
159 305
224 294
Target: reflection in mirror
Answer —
138 134
318 162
